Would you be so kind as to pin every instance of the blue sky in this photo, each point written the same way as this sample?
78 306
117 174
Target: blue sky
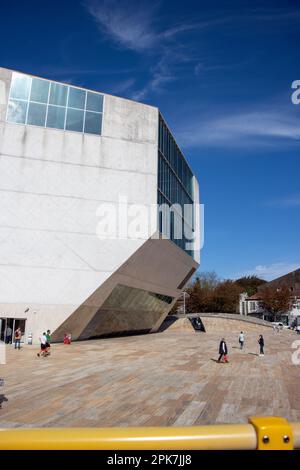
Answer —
221 73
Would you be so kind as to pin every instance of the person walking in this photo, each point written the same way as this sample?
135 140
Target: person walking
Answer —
261 343
18 336
8 335
223 351
44 349
241 339
48 338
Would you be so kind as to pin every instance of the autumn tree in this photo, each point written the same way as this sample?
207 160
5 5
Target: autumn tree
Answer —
275 301
226 297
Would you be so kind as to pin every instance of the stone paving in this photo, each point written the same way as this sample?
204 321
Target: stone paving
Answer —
166 379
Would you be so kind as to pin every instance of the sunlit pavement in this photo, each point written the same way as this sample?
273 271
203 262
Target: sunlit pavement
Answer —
162 379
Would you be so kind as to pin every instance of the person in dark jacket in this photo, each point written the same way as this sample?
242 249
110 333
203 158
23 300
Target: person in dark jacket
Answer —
261 343
223 351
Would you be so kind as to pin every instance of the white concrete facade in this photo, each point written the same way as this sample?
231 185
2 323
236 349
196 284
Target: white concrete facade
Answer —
51 185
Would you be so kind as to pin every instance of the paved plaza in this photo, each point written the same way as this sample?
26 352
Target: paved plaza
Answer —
166 379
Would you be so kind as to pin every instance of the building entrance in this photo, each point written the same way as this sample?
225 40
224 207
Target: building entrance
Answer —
8 327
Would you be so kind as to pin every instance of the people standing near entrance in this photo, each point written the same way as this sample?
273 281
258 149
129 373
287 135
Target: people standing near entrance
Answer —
223 351
8 335
261 343
18 336
241 340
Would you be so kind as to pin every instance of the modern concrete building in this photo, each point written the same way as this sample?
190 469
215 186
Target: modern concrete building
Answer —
67 155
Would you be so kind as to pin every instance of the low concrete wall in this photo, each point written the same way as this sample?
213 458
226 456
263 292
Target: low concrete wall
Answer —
243 319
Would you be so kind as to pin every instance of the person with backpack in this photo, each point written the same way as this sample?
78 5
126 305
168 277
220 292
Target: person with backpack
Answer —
241 339
261 343
223 351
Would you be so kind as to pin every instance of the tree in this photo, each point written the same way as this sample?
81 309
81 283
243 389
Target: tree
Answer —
226 297
250 284
275 301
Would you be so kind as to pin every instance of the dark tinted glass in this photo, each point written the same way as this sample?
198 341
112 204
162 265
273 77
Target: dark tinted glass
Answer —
94 102
76 98
74 120
93 123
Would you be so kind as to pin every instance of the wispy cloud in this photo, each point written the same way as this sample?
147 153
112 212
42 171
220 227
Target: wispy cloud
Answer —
133 25
123 86
271 271
285 202
128 24
258 128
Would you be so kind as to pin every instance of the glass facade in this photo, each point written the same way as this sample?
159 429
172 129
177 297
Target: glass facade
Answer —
43 103
175 188
133 299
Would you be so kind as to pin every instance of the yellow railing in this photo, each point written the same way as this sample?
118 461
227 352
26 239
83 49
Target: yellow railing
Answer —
260 433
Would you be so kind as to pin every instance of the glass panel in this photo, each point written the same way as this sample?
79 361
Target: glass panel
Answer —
58 94
76 98
93 123
36 114
39 90
74 120
17 111
132 299
20 86
94 102
56 117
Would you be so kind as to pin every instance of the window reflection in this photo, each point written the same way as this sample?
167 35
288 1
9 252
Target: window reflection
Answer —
20 87
36 114
56 117
74 120
17 111
54 105
39 90
130 298
58 94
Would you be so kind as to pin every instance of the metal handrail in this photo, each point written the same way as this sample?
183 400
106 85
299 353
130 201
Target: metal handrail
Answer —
212 437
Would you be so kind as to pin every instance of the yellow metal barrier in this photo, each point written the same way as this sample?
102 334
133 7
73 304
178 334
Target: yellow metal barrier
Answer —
214 437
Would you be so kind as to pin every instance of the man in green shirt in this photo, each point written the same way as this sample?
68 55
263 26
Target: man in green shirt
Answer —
48 338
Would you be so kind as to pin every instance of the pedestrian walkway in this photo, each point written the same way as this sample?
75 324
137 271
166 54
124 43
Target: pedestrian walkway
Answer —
170 378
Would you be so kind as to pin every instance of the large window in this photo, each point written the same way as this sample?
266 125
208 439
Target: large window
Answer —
174 188
39 102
